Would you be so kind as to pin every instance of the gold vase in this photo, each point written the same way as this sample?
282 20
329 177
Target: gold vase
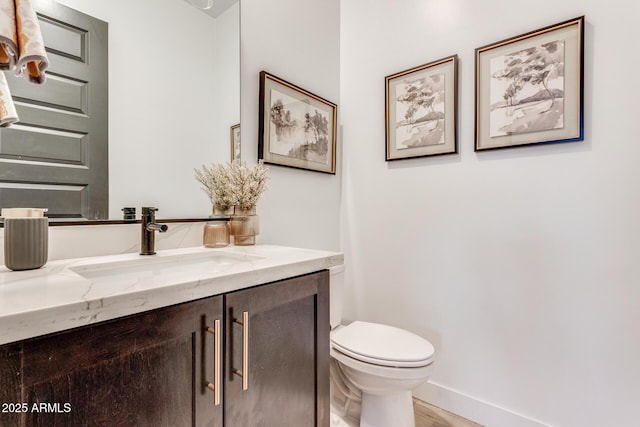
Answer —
217 231
245 226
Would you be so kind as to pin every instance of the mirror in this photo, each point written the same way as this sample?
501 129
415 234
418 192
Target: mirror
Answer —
174 95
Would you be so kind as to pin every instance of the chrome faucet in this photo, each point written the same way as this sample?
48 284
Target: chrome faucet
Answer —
149 227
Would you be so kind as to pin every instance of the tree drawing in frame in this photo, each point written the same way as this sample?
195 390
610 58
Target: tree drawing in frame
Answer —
421 110
527 90
530 88
296 128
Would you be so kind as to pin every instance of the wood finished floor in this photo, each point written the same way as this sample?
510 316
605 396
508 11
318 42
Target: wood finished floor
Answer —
431 416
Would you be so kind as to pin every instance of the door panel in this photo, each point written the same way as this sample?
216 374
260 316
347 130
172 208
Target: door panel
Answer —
284 336
10 392
145 370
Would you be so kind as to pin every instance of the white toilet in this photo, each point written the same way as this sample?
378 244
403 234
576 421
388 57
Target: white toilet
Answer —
374 367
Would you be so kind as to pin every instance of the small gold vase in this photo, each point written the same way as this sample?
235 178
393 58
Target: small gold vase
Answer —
245 226
217 231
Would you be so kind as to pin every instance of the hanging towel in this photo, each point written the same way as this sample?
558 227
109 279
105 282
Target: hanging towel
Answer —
22 49
32 60
8 115
8 35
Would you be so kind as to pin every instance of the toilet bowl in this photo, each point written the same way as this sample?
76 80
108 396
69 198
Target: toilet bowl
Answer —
375 367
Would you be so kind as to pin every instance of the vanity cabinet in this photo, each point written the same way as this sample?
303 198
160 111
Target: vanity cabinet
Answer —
269 357
136 371
288 354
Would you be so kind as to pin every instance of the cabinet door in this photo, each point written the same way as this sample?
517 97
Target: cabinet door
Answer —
287 358
10 393
150 369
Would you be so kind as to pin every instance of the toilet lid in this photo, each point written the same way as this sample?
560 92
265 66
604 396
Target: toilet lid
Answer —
382 345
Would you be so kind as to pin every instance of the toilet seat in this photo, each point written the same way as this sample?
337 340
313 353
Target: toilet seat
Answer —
383 345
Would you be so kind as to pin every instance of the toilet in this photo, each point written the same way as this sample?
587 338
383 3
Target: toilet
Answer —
374 368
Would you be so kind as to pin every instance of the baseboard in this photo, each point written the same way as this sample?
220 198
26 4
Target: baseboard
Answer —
473 409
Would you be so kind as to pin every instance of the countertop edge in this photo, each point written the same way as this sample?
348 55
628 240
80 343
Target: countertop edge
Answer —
99 307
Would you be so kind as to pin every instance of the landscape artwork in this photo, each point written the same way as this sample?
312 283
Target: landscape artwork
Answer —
530 88
297 129
420 112
527 90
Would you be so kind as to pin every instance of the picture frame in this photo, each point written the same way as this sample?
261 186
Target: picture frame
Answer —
236 149
421 110
297 129
530 88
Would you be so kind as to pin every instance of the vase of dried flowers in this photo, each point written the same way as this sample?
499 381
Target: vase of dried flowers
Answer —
217 231
245 226
234 189
215 181
217 234
248 184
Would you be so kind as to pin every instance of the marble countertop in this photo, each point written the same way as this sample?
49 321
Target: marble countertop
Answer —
69 293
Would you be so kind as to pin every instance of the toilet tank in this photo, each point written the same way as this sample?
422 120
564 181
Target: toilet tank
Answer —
336 291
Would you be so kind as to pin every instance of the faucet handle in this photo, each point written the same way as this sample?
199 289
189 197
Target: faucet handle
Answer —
149 210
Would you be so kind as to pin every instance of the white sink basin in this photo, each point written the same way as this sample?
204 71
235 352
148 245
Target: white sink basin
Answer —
156 267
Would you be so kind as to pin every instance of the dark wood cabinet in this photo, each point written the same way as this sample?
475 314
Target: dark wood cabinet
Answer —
154 368
143 370
287 357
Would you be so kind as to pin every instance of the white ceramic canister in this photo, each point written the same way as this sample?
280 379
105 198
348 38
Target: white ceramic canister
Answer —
26 238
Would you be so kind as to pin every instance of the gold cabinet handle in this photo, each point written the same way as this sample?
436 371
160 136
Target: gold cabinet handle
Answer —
244 373
215 387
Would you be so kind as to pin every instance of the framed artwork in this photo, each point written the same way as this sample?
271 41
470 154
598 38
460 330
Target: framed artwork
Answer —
235 142
421 110
530 88
296 128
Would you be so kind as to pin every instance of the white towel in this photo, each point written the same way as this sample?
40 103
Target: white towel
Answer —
8 35
22 49
33 57
21 44
8 115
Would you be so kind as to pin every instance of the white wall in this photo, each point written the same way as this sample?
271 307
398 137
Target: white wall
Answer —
521 265
81 241
298 41
227 80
